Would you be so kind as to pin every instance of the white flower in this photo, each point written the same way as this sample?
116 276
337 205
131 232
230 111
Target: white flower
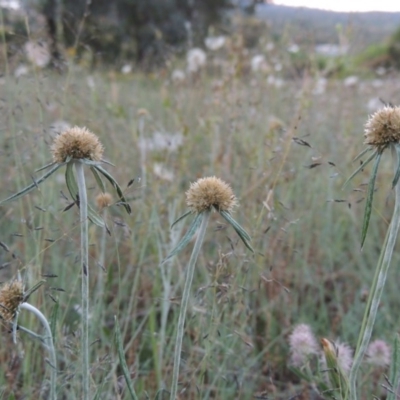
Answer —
274 81
21 70
258 63
38 53
214 42
178 76
161 141
126 69
293 48
162 172
196 59
351 81
378 353
331 50
302 344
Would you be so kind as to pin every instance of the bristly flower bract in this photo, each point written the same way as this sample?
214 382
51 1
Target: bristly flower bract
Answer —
11 297
205 195
382 130
77 145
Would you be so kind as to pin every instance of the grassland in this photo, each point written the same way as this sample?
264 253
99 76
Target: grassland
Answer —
286 153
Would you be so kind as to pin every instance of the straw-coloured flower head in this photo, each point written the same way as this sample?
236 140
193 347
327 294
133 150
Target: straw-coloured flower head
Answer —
302 344
103 200
211 192
77 143
378 353
383 127
11 297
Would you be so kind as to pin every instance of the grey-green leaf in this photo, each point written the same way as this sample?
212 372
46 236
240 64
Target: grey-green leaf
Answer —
238 228
394 368
46 166
366 150
116 186
187 237
32 186
397 174
98 179
181 218
370 196
362 166
122 361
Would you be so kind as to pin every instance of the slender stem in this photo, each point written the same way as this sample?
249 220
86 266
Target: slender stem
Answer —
375 295
185 301
80 177
50 346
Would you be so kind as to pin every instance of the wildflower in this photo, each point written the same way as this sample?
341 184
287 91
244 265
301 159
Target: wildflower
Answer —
196 59
38 53
378 353
11 297
351 81
383 127
302 344
104 200
214 42
203 196
258 63
212 192
178 76
76 143
126 69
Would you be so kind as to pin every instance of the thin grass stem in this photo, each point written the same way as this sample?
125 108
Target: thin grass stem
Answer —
83 207
185 300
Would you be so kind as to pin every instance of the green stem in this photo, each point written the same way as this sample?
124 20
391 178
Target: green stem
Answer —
185 301
80 177
375 295
49 342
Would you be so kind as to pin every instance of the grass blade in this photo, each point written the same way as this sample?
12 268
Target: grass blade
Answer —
32 186
116 186
122 361
187 238
369 159
370 196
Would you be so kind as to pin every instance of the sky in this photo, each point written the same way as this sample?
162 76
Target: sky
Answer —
345 5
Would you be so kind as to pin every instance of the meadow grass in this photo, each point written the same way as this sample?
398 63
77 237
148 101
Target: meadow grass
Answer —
307 266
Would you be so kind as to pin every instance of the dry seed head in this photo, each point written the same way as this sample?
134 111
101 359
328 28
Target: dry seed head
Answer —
103 200
77 143
11 297
379 353
383 127
211 192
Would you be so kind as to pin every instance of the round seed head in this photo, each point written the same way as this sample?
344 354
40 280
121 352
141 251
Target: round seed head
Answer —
11 297
302 344
211 192
103 200
383 127
77 143
378 353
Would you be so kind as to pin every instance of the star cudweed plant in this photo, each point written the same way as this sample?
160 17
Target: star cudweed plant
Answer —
203 196
382 132
77 148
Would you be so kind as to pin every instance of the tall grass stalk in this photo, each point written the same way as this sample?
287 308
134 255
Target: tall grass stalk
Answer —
185 300
80 177
375 294
50 346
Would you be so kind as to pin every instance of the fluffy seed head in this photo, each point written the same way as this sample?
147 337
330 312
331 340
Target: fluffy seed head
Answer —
302 344
383 127
77 143
378 353
211 192
341 353
11 296
103 200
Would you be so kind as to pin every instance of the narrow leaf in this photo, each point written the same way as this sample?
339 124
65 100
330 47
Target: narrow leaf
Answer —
180 218
33 185
394 368
397 174
122 361
116 186
239 230
366 150
370 196
98 179
46 166
369 159
187 237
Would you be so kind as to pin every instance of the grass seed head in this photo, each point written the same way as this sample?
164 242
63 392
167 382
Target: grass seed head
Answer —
11 297
77 143
383 127
211 192
104 200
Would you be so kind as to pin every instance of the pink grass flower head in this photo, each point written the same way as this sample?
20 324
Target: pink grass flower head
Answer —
302 344
378 353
